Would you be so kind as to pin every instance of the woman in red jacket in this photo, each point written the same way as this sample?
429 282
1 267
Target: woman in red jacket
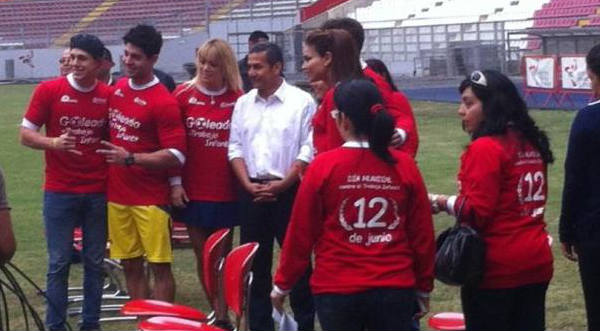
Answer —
404 116
363 211
206 192
502 191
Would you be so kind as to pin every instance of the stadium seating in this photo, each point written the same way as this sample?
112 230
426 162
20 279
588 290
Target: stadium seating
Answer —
41 23
566 14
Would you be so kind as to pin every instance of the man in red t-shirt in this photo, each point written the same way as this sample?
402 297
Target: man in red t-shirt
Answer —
74 111
147 138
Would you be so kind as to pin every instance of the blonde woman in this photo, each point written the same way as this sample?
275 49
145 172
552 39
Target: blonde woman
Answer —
206 194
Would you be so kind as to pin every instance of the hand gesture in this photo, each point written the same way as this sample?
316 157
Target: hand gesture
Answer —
114 154
259 192
66 142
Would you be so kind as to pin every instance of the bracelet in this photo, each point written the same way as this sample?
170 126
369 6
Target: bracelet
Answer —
54 142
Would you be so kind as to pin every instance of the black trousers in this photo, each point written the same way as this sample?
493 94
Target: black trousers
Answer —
589 270
263 222
376 309
519 308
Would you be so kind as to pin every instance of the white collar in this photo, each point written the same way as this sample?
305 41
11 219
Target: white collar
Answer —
151 83
279 93
211 93
594 102
110 80
78 87
356 144
363 64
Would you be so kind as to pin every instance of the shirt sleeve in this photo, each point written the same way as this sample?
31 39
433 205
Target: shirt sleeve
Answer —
234 149
306 153
480 185
38 111
3 200
419 228
171 133
574 183
306 223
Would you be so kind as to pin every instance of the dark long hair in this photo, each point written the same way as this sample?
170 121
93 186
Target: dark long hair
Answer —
355 99
379 67
345 65
503 107
592 60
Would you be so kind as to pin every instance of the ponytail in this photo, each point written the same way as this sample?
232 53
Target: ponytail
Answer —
361 102
382 129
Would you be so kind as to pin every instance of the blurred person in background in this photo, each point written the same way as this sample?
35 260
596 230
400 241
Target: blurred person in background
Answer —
104 74
404 117
256 37
64 66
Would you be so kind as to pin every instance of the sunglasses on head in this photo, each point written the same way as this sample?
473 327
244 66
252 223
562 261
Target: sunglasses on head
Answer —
478 78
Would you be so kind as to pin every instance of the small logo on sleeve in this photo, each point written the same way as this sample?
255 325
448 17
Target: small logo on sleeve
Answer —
195 101
67 99
140 101
119 93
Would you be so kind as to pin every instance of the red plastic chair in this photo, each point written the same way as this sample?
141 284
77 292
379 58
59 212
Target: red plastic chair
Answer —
447 321
215 249
162 323
237 286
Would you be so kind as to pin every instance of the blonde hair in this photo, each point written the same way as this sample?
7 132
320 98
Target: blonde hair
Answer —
222 53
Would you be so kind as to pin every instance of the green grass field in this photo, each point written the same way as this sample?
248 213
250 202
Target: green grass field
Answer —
441 143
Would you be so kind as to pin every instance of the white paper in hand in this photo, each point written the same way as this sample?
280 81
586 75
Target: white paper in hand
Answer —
286 321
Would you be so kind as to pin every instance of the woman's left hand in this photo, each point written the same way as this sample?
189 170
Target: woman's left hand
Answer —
277 300
423 301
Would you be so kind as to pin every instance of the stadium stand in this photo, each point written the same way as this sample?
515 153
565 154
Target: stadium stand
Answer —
566 13
42 23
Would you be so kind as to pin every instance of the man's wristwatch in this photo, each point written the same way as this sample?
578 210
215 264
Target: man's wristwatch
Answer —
129 160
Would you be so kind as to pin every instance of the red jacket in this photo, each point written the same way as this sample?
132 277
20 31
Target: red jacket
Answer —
367 222
327 137
502 193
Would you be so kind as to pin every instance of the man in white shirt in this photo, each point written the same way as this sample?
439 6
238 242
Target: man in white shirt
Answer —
269 146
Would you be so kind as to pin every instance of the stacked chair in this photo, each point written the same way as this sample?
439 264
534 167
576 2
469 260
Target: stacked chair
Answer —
114 290
227 285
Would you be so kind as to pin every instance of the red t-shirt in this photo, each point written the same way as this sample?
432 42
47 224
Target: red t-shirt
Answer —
325 133
58 106
143 121
502 192
207 174
327 137
368 223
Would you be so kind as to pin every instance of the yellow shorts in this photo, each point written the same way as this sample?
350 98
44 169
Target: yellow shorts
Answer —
136 231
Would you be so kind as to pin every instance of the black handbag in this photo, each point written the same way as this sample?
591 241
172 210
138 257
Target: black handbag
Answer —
460 255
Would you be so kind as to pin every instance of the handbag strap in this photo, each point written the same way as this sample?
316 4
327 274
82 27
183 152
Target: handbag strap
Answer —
460 208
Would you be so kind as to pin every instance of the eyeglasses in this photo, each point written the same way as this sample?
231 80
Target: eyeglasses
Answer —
478 78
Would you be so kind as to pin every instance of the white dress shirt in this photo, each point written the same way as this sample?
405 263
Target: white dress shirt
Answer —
271 134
